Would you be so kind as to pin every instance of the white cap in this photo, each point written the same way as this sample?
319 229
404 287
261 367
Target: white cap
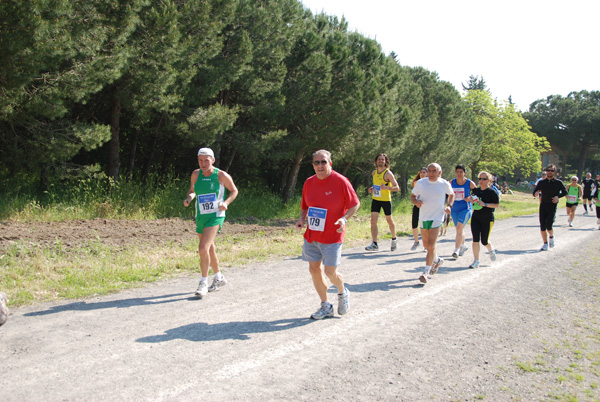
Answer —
206 151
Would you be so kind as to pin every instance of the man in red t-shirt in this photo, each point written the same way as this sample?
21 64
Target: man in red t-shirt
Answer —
328 201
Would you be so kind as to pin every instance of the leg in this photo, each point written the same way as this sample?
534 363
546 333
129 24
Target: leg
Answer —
476 250
335 277
318 279
392 225
416 234
460 235
429 239
374 229
206 250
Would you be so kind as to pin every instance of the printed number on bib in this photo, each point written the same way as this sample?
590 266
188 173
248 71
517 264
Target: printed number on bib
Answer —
376 191
572 199
459 194
316 219
208 204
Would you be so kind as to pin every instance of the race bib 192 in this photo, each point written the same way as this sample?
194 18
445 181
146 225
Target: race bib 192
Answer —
207 203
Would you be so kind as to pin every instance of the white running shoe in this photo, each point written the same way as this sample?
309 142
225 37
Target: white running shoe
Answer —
551 242
462 250
436 265
217 284
394 244
372 247
544 247
326 310
475 264
344 302
416 244
570 224
455 255
202 289
424 278
493 255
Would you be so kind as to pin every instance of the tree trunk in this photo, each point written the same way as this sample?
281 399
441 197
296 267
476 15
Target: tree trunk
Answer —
150 159
132 153
583 151
290 187
113 148
403 182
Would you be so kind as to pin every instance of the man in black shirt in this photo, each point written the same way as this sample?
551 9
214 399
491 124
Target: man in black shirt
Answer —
588 185
552 189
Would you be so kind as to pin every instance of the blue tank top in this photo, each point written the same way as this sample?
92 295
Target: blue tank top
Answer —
460 193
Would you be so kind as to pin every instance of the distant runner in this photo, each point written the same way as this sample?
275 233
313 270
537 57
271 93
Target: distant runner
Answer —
485 200
384 183
551 189
429 195
462 208
415 211
588 187
574 194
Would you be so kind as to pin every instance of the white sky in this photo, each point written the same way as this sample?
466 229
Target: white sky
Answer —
527 49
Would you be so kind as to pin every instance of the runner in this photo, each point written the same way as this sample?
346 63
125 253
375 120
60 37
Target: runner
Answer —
485 200
384 183
328 201
588 187
208 186
552 189
574 193
462 208
415 211
544 176
429 195
598 205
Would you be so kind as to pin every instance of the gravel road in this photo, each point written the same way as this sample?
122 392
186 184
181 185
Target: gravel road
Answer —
523 328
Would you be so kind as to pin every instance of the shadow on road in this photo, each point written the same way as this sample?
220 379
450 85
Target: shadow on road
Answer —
241 330
140 301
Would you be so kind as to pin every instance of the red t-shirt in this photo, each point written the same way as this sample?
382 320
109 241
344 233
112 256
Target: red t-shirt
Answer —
333 194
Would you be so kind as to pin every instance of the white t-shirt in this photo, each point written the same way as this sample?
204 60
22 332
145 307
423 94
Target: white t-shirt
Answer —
433 195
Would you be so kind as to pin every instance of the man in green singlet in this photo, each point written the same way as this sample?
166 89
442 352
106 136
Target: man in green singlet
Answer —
208 185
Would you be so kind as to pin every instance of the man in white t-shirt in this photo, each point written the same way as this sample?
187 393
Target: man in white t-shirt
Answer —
429 195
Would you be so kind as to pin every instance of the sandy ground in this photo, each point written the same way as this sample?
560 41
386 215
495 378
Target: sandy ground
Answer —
524 328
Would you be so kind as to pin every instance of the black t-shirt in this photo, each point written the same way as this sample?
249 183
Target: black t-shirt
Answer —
550 189
587 185
489 196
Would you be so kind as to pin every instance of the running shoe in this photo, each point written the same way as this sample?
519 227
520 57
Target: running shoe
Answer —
551 242
493 255
455 255
394 244
544 247
475 264
462 250
585 213
424 278
414 246
436 265
217 284
570 224
326 310
372 247
202 289
344 302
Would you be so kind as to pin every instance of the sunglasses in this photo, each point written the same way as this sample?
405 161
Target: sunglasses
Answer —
323 162
483 178
549 170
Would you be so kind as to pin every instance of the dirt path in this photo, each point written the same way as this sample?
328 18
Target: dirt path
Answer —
525 328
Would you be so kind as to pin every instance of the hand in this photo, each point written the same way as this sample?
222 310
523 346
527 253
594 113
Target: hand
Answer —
299 224
370 190
555 199
419 203
189 199
342 223
223 206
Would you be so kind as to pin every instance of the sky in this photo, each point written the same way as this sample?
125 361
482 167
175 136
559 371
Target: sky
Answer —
525 49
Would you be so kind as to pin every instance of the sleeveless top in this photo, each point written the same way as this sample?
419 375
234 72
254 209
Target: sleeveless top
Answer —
572 193
378 181
460 193
209 195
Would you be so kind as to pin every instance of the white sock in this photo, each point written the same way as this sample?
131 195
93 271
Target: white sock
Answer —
456 250
204 279
427 269
218 276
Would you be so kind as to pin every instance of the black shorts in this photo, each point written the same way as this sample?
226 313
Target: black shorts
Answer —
415 217
570 205
376 206
587 195
547 215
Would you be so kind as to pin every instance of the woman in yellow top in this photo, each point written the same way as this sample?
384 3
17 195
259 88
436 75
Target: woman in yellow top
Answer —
574 194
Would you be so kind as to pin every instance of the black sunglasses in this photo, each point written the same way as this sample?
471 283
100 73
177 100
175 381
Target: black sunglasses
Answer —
550 170
483 178
322 162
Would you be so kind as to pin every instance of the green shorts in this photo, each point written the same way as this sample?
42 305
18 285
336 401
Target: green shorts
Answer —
430 225
208 221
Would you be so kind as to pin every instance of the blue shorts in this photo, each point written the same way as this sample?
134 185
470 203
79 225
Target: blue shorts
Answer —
461 216
330 254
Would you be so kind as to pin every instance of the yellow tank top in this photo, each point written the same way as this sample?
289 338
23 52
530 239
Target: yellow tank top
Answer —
378 193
